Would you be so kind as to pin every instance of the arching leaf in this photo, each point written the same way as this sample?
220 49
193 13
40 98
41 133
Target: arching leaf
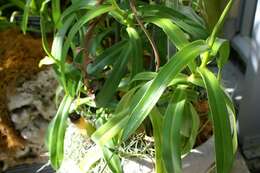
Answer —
221 122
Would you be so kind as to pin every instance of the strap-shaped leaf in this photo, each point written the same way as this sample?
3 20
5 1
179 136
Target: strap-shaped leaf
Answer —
56 13
221 122
59 71
214 33
110 129
194 123
171 137
76 6
108 90
222 48
219 24
194 28
25 16
175 34
112 157
57 45
144 76
167 11
141 108
232 112
90 2
97 11
56 132
147 76
137 50
118 121
126 99
191 13
56 51
108 57
157 123
43 23
95 45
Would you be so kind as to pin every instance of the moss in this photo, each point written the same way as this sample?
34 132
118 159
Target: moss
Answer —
19 58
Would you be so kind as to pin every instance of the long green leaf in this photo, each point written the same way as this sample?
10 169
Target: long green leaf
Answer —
56 132
221 122
96 41
78 5
167 11
175 34
220 23
196 30
215 32
43 23
55 53
25 16
56 12
194 120
57 45
118 121
110 129
108 57
232 111
141 108
144 76
137 51
112 157
222 48
81 22
157 119
126 99
180 78
111 84
171 138
192 14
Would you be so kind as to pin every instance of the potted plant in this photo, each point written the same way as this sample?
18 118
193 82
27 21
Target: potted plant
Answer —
26 14
107 60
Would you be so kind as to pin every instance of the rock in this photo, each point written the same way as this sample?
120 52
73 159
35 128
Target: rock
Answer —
21 119
19 100
34 132
38 92
31 107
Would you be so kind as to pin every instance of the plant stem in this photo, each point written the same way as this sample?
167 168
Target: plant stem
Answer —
203 126
215 31
88 38
119 10
155 51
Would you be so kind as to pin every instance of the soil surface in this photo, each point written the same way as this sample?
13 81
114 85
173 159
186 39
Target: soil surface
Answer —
19 58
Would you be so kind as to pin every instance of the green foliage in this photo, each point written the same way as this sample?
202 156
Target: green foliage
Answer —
56 132
220 116
171 143
101 50
25 15
20 8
